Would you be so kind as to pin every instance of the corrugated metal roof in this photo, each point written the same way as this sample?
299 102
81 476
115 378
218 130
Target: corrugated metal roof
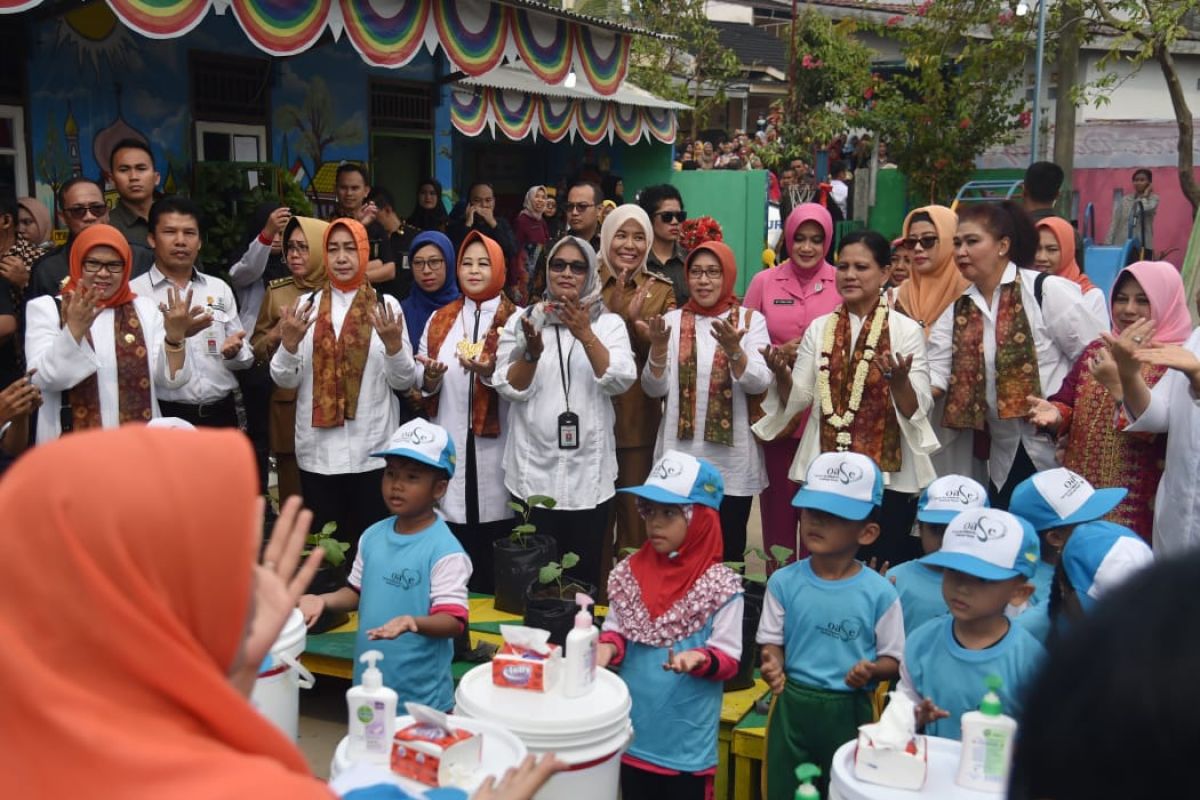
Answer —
518 79
586 19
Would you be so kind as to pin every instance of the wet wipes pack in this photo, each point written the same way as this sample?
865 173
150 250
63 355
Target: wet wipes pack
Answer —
433 752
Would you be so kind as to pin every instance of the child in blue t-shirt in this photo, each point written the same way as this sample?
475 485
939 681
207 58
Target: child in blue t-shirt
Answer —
1098 557
674 627
830 628
987 558
919 585
409 579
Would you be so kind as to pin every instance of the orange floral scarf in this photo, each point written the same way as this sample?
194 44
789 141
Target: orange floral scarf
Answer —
485 415
339 360
133 377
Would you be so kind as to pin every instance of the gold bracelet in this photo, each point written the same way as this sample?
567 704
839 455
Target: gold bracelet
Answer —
172 347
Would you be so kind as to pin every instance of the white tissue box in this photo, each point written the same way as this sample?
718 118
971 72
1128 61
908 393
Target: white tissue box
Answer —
899 769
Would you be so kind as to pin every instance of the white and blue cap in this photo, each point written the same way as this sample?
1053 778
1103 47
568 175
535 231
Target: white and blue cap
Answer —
1100 556
949 496
1056 497
423 441
847 485
679 479
988 543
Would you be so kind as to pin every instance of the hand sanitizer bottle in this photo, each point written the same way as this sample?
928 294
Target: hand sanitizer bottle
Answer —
372 714
806 774
579 662
987 743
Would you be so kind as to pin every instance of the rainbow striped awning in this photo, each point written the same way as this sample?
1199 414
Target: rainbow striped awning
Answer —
475 35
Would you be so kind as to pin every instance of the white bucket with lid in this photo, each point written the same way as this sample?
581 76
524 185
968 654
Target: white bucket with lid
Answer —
281 677
588 733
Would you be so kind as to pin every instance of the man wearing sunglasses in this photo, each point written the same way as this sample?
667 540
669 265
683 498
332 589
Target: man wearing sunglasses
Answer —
81 205
582 209
664 205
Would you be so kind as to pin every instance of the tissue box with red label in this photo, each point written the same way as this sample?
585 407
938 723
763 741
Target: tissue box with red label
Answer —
898 768
431 755
517 667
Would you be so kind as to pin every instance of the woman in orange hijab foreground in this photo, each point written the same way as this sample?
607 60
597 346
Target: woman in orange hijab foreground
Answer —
128 654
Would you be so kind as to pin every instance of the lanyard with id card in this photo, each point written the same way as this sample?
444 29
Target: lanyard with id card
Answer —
568 421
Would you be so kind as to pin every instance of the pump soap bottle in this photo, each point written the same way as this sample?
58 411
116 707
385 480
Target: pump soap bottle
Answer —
806 774
372 714
580 659
987 743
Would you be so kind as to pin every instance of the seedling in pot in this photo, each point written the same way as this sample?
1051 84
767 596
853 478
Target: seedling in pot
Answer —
777 558
335 551
553 572
524 509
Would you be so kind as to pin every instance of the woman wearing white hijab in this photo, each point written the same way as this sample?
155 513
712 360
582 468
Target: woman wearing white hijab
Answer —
559 364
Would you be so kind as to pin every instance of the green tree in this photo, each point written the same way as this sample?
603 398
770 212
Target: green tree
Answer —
1147 31
54 164
959 92
316 122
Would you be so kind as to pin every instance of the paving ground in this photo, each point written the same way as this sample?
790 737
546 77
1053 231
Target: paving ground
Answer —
323 707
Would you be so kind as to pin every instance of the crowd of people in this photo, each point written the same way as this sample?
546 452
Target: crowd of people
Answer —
961 411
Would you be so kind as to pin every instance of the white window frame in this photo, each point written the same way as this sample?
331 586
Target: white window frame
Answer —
17 151
233 129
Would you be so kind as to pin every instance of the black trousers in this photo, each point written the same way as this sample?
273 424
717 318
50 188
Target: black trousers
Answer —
895 544
1022 468
735 514
476 537
255 384
354 501
580 532
640 784
221 414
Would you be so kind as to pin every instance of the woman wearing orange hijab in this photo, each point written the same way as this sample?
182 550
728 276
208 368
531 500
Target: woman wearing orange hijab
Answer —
100 351
1056 256
345 349
456 359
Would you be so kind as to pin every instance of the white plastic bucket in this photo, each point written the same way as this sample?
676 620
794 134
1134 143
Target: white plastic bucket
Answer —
589 733
277 691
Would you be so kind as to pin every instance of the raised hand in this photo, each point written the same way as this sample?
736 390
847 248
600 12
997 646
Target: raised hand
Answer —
434 370
656 330
1104 369
779 363
634 310
276 222
482 366
880 568
294 322
1043 413
394 627
19 399
390 326
1171 356
233 345
1124 347
533 338
367 213
577 320
14 270
80 309
896 368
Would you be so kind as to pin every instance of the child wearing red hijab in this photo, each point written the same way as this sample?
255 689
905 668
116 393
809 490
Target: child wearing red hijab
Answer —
674 627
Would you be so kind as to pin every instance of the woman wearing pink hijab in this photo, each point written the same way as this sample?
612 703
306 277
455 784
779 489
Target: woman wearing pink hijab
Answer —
1081 412
790 297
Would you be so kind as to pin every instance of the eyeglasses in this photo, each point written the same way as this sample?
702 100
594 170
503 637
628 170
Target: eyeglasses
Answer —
571 208
80 212
668 512
296 247
671 217
927 242
711 274
428 264
576 267
92 266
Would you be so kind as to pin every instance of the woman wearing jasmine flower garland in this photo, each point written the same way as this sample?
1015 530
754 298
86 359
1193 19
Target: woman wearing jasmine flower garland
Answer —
865 365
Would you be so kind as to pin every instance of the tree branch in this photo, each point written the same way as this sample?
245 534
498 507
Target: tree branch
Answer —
1121 25
1183 119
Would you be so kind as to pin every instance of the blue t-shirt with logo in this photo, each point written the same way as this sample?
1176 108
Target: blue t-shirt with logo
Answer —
829 626
920 590
396 569
938 667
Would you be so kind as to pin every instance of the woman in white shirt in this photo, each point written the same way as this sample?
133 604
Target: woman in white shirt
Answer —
705 360
863 367
100 359
455 364
1013 334
345 349
560 364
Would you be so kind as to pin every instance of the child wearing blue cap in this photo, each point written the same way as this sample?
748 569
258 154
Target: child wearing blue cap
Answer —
987 557
1098 557
409 579
920 585
830 628
674 627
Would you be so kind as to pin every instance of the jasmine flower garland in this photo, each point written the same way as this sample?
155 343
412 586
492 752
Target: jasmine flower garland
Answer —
842 422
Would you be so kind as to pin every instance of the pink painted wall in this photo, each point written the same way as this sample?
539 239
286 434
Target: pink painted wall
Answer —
1172 223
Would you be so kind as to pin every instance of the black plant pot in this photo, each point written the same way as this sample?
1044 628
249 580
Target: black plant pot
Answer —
753 604
550 610
516 564
328 579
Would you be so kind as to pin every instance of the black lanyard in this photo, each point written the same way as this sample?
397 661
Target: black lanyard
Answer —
563 372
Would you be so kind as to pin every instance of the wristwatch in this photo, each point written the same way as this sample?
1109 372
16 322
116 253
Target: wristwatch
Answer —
736 356
530 357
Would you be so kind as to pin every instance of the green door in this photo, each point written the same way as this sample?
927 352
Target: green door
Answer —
398 163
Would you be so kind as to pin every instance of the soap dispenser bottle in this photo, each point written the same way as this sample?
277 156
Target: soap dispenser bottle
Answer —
987 743
372 714
806 774
580 659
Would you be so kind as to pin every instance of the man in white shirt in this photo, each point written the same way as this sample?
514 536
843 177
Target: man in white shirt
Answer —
216 342
841 190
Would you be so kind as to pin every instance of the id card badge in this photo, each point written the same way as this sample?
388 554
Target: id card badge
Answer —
568 431
211 344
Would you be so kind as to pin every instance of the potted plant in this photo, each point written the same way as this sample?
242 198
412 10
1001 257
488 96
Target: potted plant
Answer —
550 599
755 587
331 575
517 559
